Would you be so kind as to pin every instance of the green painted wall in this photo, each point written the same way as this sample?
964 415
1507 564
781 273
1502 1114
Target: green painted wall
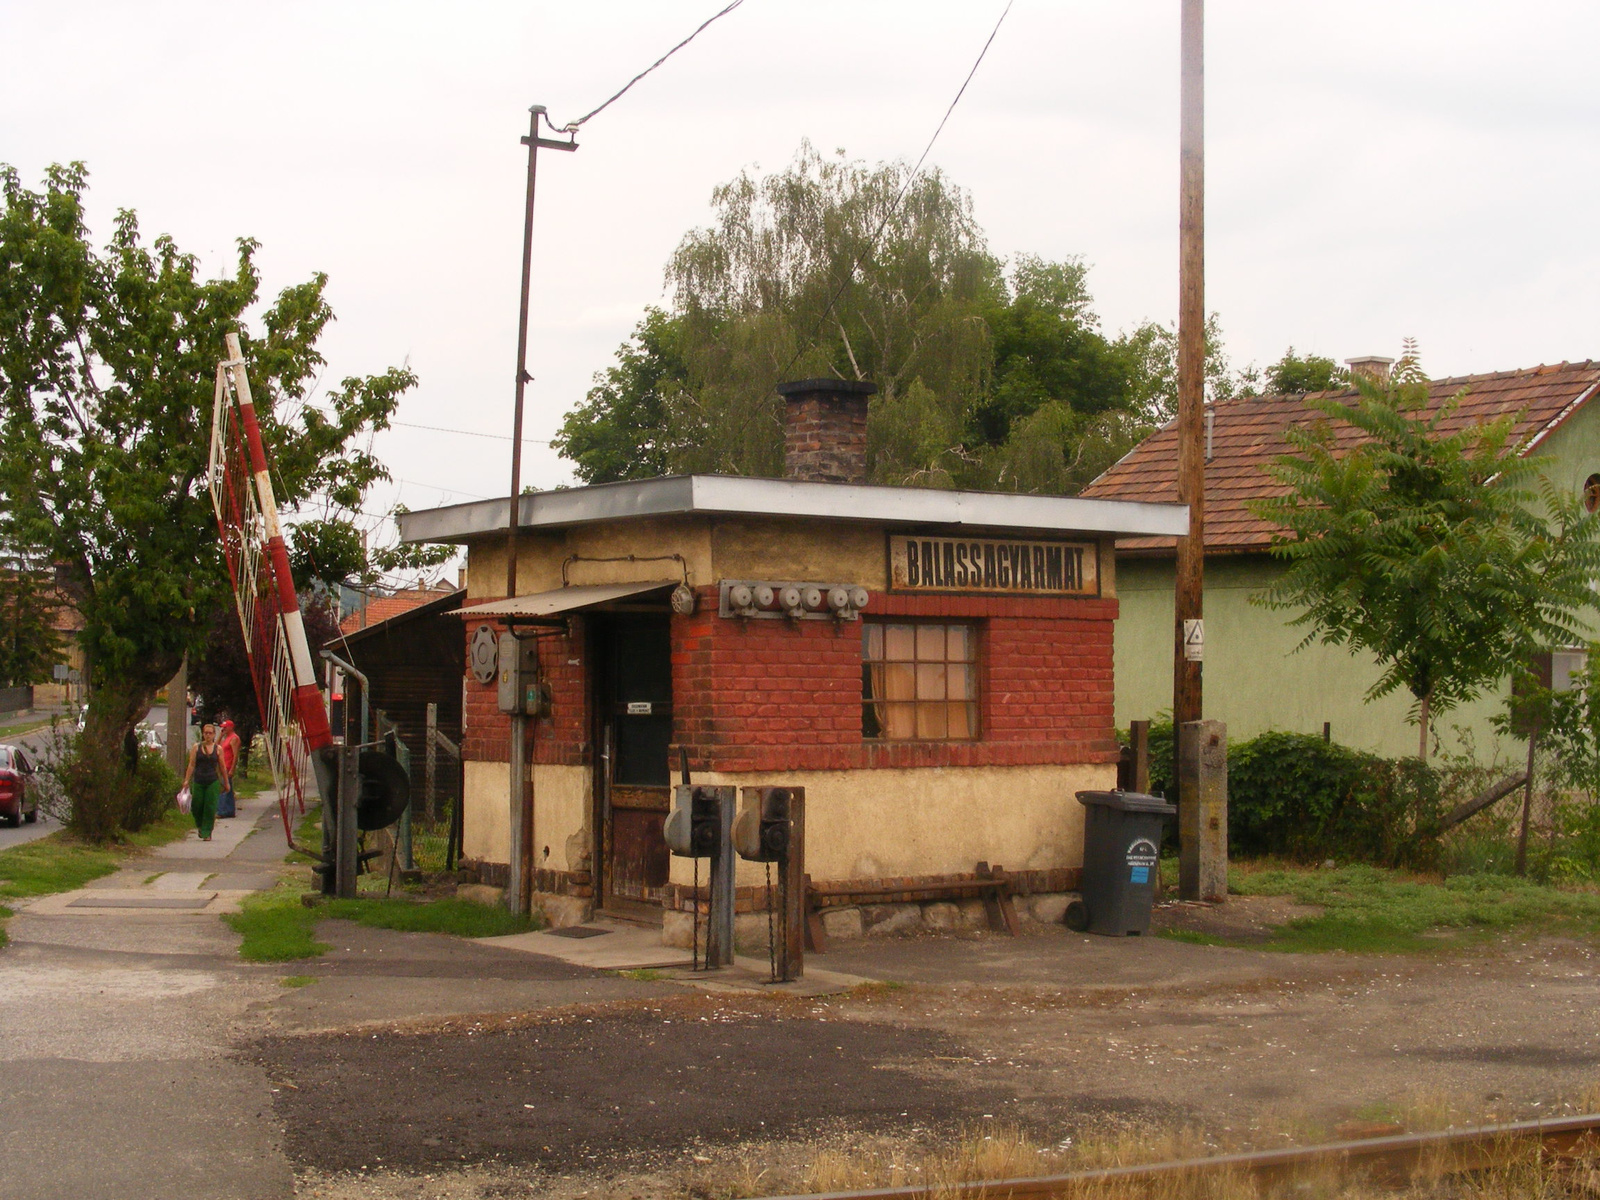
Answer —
1255 680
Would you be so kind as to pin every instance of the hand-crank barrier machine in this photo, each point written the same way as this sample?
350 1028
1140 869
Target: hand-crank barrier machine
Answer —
363 787
770 828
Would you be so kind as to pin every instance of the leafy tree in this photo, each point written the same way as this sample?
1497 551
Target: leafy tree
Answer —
107 366
29 643
1312 373
1448 556
988 377
619 432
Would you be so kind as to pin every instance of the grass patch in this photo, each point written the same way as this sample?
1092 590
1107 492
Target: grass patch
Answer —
1377 911
296 981
307 833
643 974
461 918
276 927
1192 936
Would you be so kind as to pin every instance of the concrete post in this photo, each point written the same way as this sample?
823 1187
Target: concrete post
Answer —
1203 817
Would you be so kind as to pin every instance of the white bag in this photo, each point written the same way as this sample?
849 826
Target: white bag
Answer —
183 800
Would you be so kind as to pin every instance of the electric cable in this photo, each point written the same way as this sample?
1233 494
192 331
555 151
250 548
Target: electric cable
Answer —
499 437
572 126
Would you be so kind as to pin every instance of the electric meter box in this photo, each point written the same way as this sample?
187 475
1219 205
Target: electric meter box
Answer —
521 690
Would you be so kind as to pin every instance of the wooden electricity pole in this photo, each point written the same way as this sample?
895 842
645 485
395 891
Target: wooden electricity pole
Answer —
520 799
1188 627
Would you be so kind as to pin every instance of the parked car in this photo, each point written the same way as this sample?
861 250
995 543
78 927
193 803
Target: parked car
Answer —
17 801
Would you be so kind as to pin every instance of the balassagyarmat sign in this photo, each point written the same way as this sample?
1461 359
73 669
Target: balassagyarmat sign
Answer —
944 564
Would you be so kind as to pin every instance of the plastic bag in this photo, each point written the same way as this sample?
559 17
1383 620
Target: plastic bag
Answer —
183 801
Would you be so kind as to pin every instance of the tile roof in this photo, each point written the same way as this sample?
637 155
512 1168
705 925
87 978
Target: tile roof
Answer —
1248 433
381 608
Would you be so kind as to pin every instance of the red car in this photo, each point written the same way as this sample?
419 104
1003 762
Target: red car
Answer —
17 802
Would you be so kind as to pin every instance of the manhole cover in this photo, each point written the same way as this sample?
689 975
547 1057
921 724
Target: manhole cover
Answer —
577 931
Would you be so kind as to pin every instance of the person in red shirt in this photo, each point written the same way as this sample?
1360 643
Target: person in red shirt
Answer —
228 750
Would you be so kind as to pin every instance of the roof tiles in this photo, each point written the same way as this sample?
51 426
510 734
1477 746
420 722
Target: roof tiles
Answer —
1247 434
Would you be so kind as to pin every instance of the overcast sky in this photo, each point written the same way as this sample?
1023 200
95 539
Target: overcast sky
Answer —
1374 170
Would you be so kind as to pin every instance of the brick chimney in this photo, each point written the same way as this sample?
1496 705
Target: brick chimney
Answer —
825 429
1373 367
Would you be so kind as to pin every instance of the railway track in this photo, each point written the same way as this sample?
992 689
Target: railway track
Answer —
1394 1160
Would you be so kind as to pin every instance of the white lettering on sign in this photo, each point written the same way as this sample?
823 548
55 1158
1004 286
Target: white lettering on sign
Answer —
1194 640
639 708
946 564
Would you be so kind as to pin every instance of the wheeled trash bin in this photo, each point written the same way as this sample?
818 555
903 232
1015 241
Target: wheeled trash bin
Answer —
1121 858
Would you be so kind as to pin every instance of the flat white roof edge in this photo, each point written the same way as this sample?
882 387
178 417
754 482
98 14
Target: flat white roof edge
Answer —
724 495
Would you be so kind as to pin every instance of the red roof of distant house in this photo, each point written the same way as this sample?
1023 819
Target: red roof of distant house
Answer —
381 608
1247 434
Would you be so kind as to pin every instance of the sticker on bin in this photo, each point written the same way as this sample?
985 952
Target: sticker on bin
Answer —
1141 858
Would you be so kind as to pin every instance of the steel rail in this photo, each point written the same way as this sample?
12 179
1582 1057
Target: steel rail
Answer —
1396 1158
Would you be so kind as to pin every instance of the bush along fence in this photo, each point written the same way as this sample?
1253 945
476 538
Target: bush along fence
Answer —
1303 797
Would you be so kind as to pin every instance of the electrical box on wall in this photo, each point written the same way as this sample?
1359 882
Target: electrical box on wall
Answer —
521 689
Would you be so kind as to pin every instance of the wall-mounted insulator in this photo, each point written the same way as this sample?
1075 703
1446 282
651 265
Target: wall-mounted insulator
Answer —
795 601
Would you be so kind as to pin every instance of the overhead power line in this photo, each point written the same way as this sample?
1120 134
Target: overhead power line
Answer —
572 126
911 177
499 437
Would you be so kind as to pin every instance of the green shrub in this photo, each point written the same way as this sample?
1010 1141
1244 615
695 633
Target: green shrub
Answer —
1296 796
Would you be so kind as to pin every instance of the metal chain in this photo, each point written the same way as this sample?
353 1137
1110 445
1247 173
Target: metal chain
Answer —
772 943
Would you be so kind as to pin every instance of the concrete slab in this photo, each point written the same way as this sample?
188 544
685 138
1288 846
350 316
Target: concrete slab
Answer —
180 881
159 902
226 835
626 947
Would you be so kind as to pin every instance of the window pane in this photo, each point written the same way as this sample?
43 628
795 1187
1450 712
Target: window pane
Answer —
930 643
930 721
962 724
871 721
899 642
930 681
960 644
959 682
900 681
899 720
872 641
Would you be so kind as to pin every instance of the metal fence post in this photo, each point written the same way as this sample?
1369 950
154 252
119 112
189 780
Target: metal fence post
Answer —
429 767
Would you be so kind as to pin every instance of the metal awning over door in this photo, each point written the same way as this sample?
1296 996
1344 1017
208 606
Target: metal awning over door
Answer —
564 600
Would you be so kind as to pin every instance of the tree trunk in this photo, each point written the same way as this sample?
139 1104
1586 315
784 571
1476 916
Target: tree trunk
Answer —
97 779
1422 723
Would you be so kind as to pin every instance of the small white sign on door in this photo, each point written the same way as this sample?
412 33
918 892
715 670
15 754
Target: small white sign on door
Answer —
639 708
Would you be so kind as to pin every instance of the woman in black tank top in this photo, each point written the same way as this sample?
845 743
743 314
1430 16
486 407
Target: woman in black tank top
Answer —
205 779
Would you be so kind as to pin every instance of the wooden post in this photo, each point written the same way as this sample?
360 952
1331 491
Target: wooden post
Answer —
1327 731
1203 823
719 915
1527 805
1188 609
792 954
431 762
1139 737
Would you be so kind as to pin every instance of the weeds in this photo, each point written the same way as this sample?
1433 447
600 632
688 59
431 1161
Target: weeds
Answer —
277 926
1374 910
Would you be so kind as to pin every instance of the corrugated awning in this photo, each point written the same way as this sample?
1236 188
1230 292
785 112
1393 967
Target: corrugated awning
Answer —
564 600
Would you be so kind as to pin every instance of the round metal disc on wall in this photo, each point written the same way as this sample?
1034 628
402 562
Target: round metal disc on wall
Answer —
484 654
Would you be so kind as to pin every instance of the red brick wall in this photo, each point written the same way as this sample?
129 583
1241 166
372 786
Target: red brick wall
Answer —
765 695
561 740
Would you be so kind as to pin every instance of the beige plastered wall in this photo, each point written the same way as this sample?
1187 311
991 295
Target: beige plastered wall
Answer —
870 824
560 811
714 549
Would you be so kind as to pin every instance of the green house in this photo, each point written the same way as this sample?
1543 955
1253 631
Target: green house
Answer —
1254 677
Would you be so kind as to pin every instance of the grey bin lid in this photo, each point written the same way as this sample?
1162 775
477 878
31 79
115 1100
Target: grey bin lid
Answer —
1136 802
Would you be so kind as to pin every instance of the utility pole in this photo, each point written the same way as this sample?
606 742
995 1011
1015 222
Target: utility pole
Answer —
1188 616
519 895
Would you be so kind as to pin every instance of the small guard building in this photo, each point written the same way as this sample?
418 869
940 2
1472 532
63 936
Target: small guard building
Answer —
934 667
